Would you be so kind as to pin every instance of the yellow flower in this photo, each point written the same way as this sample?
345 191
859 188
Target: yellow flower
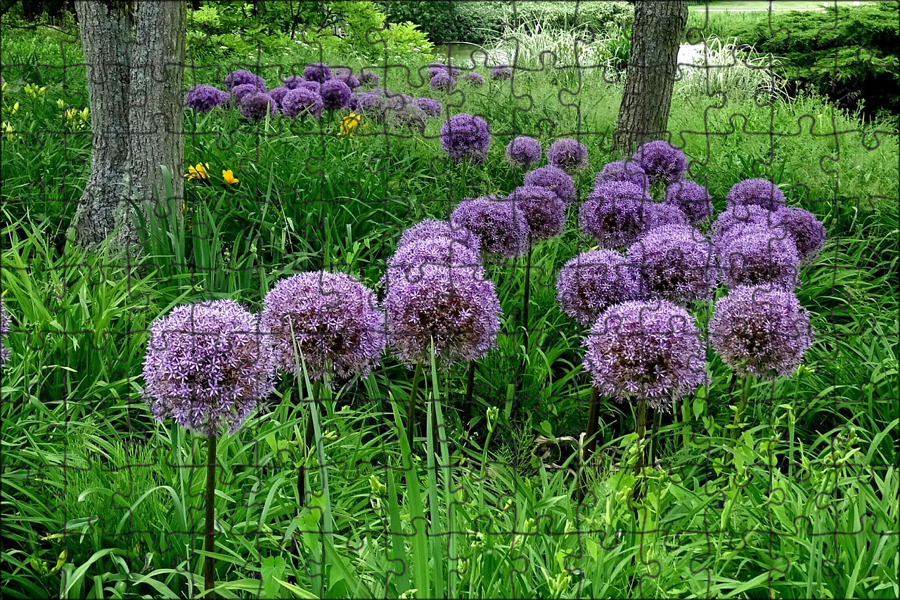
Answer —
72 114
200 172
8 130
85 114
3 87
60 103
349 125
15 108
34 91
228 176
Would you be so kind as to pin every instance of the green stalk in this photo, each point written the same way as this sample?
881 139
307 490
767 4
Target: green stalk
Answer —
739 413
304 449
590 440
411 410
209 543
470 390
527 299
641 430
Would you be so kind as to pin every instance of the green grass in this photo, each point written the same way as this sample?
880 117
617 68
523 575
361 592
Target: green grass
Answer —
804 505
763 5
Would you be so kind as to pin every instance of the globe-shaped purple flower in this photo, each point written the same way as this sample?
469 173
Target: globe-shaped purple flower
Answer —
4 331
592 281
442 251
335 94
760 330
312 86
554 179
456 308
474 79
616 214
568 154
207 366
346 75
331 318
649 351
239 91
411 117
278 95
430 106
437 67
317 72
756 191
692 198
204 98
501 73
760 255
658 215
675 263
257 105
805 229
501 228
736 219
369 78
621 170
372 105
523 151
292 82
544 211
299 102
244 77
431 228
353 105
662 162
466 137
442 82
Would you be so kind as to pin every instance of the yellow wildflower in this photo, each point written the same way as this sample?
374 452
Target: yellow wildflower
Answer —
85 114
15 109
8 130
228 176
60 103
3 87
349 125
199 171
34 91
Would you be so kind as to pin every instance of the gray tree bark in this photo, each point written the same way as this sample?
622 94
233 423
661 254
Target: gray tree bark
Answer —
650 75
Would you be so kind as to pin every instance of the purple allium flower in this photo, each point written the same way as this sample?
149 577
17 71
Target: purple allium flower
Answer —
207 365
474 79
442 82
257 105
622 170
346 75
760 255
544 211
675 263
431 106
568 154
760 330
204 98
663 214
501 73
4 331
523 151
645 351
662 162
442 251
317 72
431 228
332 318
292 82
335 94
555 179
239 91
756 191
312 86
299 102
692 198
502 229
373 105
806 230
593 281
244 77
737 218
278 94
369 77
411 117
436 67
617 213
354 102
455 307
466 137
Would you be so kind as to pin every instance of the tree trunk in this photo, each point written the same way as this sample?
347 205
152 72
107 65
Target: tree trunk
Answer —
650 76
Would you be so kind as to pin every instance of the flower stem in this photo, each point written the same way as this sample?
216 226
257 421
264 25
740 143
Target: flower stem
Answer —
641 430
739 413
590 441
209 542
470 390
411 410
304 450
527 300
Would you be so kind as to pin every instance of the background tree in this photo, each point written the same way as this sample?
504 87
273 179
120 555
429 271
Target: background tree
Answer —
650 75
134 51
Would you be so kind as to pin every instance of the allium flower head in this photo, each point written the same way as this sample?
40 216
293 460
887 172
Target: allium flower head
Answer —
239 91
662 162
313 86
456 307
554 179
332 318
431 228
207 366
204 98
523 151
317 72
663 214
623 170
466 137
568 154
292 82
645 351
243 77
592 281
278 94
257 105
372 104
805 229
616 214
544 211
756 191
760 255
692 198
501 73
411 117
430 106
4 331
444 251
346 75
335 94
437 67
675 263
443 82
736 219
369 78
502 228
474 79
299 102
760 330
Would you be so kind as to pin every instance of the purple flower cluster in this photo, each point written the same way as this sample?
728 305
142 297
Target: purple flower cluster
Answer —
592 281
431 228
756 191
335 94
616 214
474 79
278 95
301 101
442 81
675 263
554 179
312 86
760 255
692 198
317 72
760 330
568 154
257 105
662 162
466 137
622 170
346 75
645 351
437 68
292 82
410 116
523 151
244 77
204 98
239 91
430 106
736 219
369 78
207 366
502 230
805 229
544 211
501 73
4 331
444 251
332 320
372 104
